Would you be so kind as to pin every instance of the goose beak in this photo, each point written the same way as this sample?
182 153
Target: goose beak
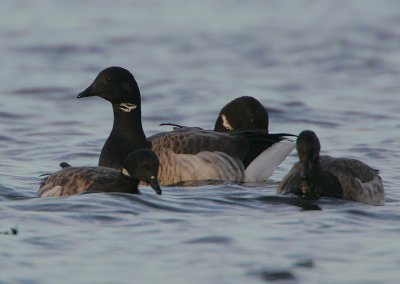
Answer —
87 93
155 185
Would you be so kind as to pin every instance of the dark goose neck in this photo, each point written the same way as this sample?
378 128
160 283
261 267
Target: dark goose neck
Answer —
126 136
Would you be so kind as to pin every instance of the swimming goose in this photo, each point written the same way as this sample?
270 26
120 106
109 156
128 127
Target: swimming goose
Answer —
246 113
141 165
185 154
344 178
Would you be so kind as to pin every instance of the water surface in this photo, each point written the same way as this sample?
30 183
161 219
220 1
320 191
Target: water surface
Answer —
324 65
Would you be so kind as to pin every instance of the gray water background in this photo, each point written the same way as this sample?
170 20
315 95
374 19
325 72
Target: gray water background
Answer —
331 66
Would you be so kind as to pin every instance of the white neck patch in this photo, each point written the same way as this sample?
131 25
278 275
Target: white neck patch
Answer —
225 122
127 107
125 173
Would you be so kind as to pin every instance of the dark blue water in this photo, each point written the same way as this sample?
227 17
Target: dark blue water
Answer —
330 66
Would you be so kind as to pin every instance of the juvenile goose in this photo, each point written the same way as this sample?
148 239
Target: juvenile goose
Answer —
185 154
316 175
141 165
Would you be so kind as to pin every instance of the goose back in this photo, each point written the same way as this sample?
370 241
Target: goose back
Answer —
74 180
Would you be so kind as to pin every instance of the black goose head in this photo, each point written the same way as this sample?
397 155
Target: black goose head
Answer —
242 113
143 165
116 85
308 148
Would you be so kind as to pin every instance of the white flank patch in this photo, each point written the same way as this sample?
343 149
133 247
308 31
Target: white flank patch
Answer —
262 167
125 173
127 107
225 122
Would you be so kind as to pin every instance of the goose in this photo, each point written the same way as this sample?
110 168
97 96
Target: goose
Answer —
245 113
314 175
186 153
141 165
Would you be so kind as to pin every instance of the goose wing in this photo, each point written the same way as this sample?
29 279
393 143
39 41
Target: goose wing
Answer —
350 167
74 180
191 140
359 181
245 145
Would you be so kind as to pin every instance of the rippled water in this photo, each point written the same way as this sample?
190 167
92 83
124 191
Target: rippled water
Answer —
330 66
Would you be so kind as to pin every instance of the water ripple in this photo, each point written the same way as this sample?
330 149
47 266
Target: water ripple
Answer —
210 240
60 49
